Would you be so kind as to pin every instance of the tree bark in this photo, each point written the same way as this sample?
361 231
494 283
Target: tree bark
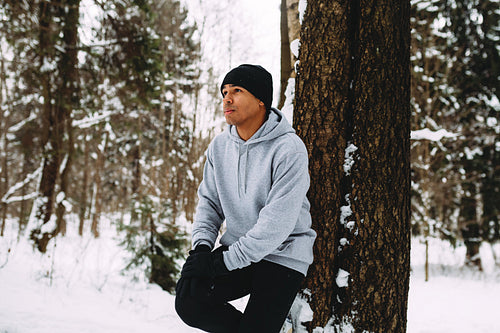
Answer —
352 110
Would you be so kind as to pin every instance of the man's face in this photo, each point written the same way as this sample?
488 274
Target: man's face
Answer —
241 108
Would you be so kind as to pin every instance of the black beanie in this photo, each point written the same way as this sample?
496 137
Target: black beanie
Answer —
253 78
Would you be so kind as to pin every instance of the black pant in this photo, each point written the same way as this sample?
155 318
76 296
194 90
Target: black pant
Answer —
272 290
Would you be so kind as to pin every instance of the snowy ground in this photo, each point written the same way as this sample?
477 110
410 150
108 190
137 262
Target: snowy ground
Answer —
77 287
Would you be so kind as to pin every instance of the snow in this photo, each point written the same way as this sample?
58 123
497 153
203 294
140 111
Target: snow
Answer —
348 158
342 278
427 134
302 314
287 108
302 10
453 304
77 287
295 47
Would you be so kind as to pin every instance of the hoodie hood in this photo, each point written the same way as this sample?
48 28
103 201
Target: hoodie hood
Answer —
276 125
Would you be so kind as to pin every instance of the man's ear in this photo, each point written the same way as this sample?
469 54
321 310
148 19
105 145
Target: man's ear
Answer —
261 103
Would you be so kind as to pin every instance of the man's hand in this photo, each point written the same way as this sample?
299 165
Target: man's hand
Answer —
187 286
200 248
204 264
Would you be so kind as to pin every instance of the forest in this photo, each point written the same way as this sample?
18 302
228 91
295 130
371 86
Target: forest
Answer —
107 108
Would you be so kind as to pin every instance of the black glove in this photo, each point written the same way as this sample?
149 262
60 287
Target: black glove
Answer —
200 248
189 286
204 264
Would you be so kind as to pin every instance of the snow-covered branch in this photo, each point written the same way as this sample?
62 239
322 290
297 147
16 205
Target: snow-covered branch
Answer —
427 134
19 185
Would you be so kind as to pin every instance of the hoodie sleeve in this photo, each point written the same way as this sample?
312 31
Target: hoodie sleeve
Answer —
209 214
278 218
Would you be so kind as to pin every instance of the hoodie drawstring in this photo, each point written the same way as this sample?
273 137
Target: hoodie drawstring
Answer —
242 168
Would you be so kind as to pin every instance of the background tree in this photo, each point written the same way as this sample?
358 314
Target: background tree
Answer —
474 47
352 111
433 183
453 63
289 31
107 106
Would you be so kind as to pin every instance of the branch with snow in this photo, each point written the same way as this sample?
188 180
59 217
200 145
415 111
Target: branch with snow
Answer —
7 197
427 134
23 122
92 120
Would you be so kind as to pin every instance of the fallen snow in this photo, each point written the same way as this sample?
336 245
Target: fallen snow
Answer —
77 287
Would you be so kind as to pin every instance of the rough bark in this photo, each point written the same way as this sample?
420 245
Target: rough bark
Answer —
321 101
353 88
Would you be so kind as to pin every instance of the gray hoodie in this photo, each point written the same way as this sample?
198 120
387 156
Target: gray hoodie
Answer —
259 188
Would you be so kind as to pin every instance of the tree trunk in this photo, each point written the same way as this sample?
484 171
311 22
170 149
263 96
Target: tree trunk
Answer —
85 185
97 206
23 208
472 240
293 23
57 115
51 127
352 110
4 177
286 64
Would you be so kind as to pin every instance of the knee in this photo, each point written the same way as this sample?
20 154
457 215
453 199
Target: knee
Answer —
187 309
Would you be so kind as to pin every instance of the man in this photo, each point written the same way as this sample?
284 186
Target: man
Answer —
255 179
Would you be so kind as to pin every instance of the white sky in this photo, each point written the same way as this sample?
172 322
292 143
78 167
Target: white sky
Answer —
255 31
266 36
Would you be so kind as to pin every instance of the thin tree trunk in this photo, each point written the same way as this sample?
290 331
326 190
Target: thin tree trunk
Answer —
23 208
293 23
57 117
286 64
4 177
97 206
426 260
85 185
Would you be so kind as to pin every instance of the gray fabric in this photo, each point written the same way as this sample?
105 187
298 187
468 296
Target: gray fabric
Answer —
259 188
